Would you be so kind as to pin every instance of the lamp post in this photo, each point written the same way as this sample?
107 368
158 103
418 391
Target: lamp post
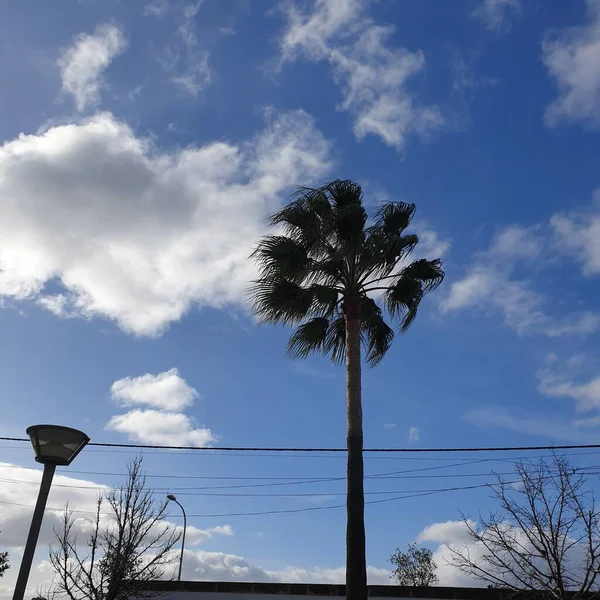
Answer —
174 499
53 446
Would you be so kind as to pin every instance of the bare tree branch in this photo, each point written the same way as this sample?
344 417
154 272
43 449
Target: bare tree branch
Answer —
127 548
545 534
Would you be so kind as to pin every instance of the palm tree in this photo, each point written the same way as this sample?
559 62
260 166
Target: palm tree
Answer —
324 273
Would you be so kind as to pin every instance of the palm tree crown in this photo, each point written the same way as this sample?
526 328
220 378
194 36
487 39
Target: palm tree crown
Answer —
330 262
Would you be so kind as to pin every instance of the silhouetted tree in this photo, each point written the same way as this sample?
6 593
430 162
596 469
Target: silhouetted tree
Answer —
129 545
544 535
325 272
414 567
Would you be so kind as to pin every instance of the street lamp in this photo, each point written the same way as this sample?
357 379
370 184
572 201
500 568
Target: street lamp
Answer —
53 446
174 499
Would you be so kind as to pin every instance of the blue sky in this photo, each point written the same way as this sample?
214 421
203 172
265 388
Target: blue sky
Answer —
143 146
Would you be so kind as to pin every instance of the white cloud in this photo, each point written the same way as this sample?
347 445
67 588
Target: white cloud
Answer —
170 394
83 63
372 73
167 390
551 430
160 427
490 284
582 324
195 77
446 532
575 361
578 235
56 303
221 530
571 58
488 281
586 395
19 487
516 242
448 574
219 566
470 290
185 62
467 81
156 8
138 235
431 244
390 426
414 434
556 379
497 14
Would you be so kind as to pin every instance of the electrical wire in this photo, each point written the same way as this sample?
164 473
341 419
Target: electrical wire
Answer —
403 496
297 455
185 491
286 480
273 512
244 477
283 481
267 449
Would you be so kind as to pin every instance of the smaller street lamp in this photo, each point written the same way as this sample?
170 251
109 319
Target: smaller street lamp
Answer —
174 499
53 446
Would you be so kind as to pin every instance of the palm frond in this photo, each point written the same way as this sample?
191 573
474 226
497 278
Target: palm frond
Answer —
403 297
381 252
308 337
335 341
320 334
325 299
395 217
348 214
300 222
376 334
402 300
428 272
316 199
344 193
282 256
350 222
277 300
330 271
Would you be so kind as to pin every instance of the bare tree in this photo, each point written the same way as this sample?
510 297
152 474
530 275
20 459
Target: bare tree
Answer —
545 534
414 567
129 545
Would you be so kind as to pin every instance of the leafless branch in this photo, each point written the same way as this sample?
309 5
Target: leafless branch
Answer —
545 534
126 548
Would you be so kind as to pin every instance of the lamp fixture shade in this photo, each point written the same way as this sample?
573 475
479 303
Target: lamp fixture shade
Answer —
56 445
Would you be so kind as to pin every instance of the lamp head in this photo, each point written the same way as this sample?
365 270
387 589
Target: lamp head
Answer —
56 445
171 497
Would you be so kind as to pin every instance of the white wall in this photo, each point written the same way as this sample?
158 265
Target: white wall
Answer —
251 596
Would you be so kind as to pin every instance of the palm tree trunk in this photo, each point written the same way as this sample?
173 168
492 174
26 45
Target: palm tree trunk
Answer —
356 563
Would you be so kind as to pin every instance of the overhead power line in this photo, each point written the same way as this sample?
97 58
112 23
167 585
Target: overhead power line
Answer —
280 480
284 511
403 496
193 490
313 455
267 449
